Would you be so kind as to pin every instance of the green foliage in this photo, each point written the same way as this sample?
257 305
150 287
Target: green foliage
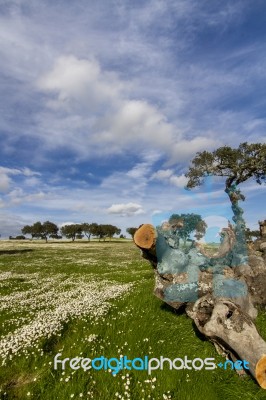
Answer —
237 165
252 234
106 230
19 237
111 230
185 224
39 230
131 231
89 229
71 231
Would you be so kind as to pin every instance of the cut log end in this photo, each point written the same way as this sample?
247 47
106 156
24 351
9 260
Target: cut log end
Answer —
145 237
261 372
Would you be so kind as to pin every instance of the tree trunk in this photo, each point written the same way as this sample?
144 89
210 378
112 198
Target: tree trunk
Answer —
240 254
225 324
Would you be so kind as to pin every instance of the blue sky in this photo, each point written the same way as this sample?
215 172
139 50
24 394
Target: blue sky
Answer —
104 103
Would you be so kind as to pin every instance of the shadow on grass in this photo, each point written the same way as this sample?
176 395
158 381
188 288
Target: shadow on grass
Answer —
166 307
21 251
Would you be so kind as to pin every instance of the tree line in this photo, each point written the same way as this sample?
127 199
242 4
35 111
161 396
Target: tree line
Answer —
50 230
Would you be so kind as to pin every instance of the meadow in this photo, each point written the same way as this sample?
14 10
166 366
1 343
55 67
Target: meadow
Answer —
91 299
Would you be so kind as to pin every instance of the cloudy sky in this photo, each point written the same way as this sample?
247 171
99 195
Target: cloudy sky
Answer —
103 104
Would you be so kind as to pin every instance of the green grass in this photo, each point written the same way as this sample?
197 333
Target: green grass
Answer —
40 281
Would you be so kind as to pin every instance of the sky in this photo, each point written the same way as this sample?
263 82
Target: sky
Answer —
104 103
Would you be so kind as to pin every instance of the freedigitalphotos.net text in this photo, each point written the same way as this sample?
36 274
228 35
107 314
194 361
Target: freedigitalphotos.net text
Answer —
141 364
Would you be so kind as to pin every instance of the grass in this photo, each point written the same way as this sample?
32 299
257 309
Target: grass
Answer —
94 299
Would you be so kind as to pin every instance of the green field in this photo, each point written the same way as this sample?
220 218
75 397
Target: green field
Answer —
96 299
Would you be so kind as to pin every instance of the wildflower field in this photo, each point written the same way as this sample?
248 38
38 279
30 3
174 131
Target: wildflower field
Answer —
91 299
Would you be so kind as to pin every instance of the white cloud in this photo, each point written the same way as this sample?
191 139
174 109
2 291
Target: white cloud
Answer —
94 105
128 209
162 174
66 223
216 221
183 149
167 175
80 80
2 204
11 224
7 184
178 181
111 86
4 182
139 171
156 212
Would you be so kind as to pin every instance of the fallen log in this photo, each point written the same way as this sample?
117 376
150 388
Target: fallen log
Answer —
223 322
215 295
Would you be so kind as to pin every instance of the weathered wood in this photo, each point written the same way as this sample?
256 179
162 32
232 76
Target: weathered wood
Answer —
224 322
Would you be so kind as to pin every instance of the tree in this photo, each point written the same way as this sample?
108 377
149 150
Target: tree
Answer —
48 228
27 230
39 230
237 166
36 230
72 231
55 236
251 234
131 231
103 231
186 224
89 229
111 230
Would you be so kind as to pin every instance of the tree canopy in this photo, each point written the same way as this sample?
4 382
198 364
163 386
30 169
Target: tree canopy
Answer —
89 229
131 231
237 165
186 224
71 231
39 230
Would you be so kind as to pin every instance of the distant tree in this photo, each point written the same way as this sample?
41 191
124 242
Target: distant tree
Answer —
111 230
131 231
55 236
99 231
28 230
122 236
39 230
36 230
48 229
71 231
102 231
89 229
19 237
252 234
186 224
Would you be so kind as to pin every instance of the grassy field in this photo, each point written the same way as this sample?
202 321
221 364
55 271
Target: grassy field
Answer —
90 300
